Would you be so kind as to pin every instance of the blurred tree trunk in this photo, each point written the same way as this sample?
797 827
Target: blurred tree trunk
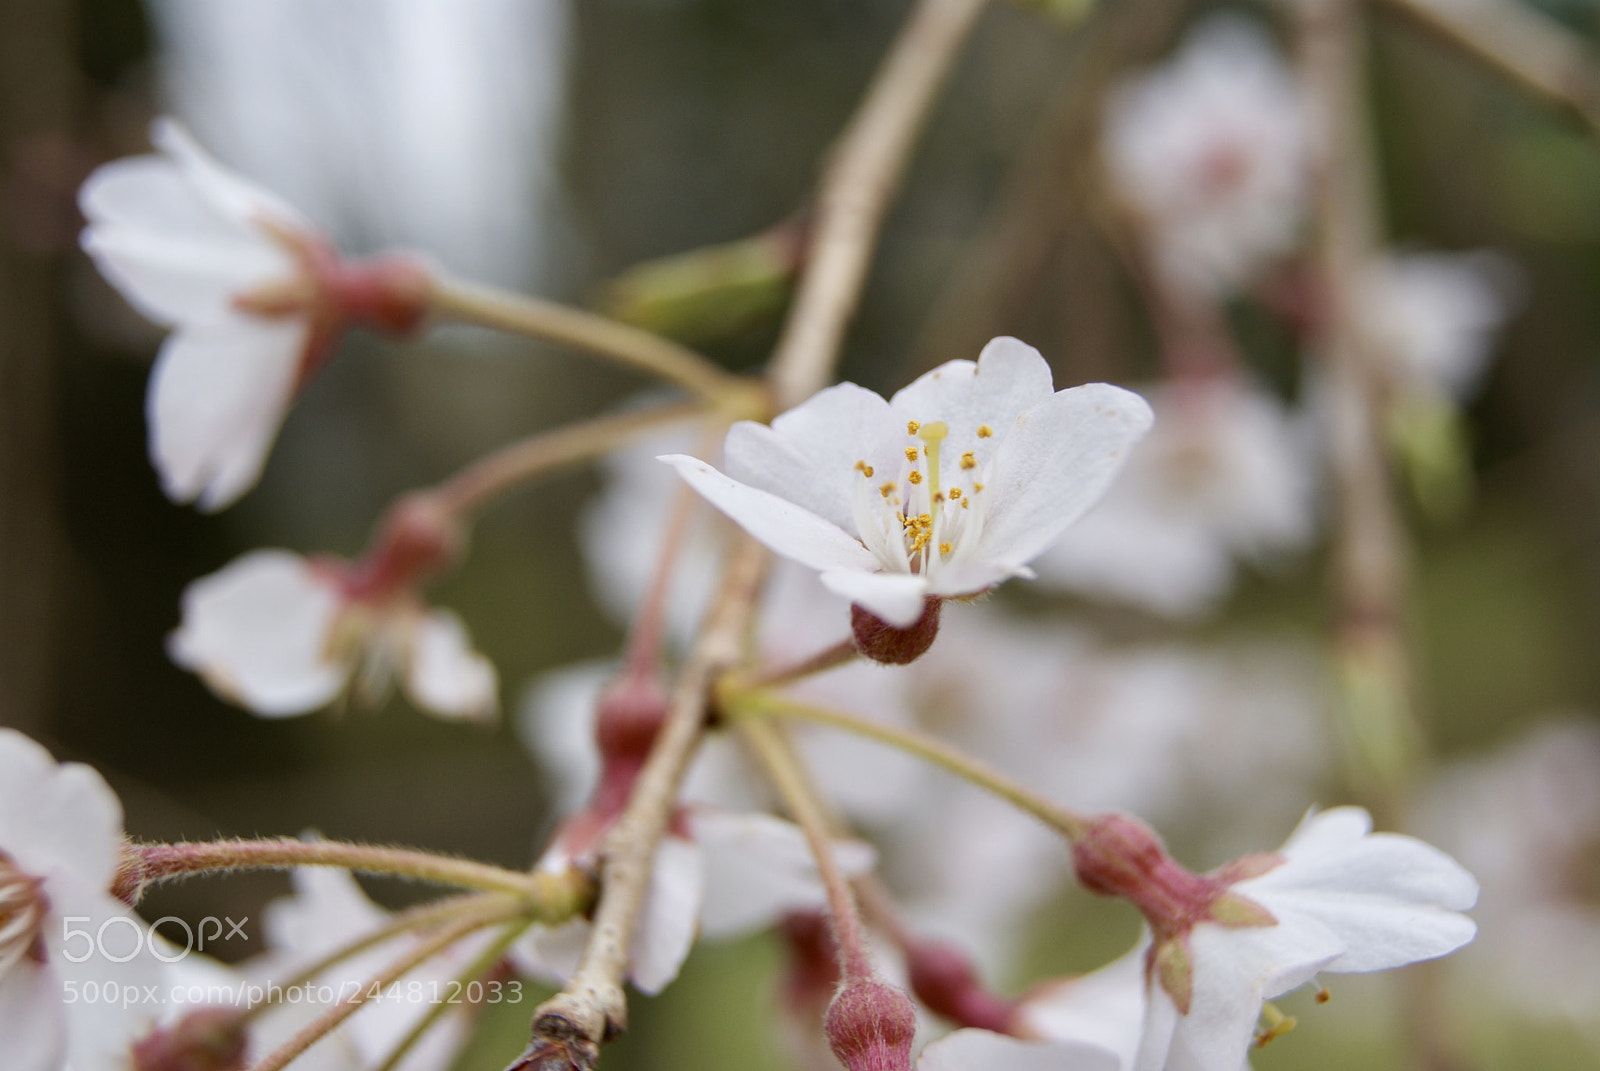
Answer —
39 95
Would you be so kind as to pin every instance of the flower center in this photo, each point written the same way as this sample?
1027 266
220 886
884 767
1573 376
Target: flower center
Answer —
923 517
22 909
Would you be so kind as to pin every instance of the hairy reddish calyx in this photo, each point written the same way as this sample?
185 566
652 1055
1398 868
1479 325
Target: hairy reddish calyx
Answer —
880 641
870 1026
1119 855
387 294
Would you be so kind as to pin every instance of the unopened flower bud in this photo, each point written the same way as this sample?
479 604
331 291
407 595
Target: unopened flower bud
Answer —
882 642
944 980
870 1026
629 715
211 1039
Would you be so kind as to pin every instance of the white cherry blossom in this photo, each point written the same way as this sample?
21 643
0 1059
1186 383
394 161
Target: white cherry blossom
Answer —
255 297
983 1050
1210 152
1432 317
1335 898
60 838
945 490
283 635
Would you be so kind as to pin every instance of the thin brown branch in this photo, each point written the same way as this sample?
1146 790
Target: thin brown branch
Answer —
1521 43
868 164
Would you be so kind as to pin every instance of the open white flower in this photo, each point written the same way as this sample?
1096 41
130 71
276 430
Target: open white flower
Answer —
283 635
945 490
60 836
254 294
983 1050
1336 898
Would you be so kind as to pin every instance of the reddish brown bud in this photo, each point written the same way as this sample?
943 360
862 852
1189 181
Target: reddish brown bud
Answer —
211 1039
944 979
882 642
417 538
870 1026
629 715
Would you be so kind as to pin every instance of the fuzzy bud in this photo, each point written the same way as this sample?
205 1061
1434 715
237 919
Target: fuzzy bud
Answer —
211 1039
870 1026
1121 856
944 979
882 642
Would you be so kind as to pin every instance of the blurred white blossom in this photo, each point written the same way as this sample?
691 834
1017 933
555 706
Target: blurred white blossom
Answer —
1226 473
283 635
1210 152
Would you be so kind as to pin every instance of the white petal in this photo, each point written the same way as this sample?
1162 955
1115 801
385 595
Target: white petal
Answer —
782 526
1053 464
177 278
58 822
227 193
98 1036
1234 969
445 675
1105 1008
555 722
551 953
981 1050
895 597
1391 899
33 1020
759 868
1008 378
672 909
216 398
808 455
257 633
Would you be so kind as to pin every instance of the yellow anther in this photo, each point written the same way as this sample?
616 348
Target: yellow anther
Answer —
944 548
911 453
955 493
911 427
937 497
984 431
1275 1024
885 489
915 477
977 487
968 461
966 503
864 468
925 519
1323 996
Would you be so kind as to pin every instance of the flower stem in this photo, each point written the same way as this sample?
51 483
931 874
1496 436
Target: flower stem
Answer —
511 465
1067 822
868 162
165 862
616 342
419 917
774 752
478 968
499 910
841 653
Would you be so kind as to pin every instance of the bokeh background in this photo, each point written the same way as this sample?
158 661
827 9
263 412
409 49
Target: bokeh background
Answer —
550 145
